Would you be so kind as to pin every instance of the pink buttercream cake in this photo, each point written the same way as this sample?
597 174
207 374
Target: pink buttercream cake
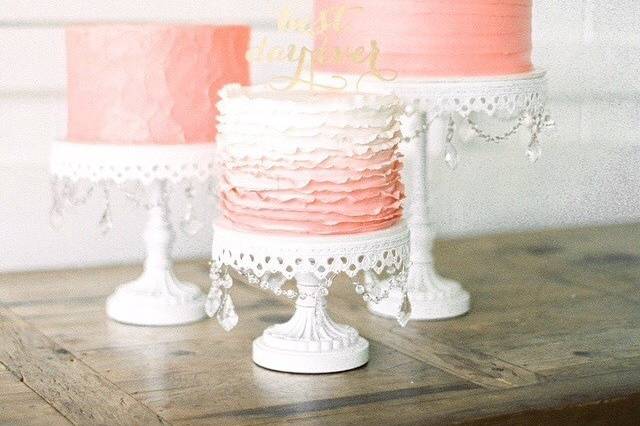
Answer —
311 163
150 83
430 37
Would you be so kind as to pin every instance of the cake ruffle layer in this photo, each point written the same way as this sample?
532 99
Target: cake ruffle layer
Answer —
429 37
287 227
150 83
326 163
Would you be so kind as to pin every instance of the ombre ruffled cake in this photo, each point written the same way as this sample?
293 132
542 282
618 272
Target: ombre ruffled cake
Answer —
310 163
150 83
428 37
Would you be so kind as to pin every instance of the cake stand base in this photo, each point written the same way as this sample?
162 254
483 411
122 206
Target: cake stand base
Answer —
310 342
310 363
139 303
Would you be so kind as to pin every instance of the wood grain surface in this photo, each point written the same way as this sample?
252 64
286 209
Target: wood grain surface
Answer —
553 337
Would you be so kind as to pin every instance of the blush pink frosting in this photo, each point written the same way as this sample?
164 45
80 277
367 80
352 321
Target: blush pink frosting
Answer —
150 84
433 37
330 165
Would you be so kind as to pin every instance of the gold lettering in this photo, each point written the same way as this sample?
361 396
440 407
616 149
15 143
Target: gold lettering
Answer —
256 54
305 59
288 23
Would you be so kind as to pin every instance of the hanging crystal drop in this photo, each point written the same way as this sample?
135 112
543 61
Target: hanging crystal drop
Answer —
251 278
55 213
533 150
360 289
276 282
227 316
227 281
213 302
451 156
528 121
450 152
190 224
409 109
105 224
135 192
405 311
263 281
466 133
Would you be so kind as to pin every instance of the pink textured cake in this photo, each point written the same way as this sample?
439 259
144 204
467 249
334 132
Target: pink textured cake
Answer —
314 163
150 84
431 37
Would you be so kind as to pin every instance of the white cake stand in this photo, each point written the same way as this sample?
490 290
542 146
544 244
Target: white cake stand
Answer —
437 110
157 297
310 342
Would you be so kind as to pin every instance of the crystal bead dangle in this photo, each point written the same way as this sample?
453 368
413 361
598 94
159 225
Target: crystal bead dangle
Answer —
227 316
213 302
533 150
404 314
190 223
135 192
450 152
227 281
105 224
55 214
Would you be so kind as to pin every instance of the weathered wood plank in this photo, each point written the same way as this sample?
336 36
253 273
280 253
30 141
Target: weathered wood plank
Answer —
487 371
19 404
64 381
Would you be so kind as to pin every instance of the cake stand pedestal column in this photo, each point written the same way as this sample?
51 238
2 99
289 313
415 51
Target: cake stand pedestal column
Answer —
310 342
157 297
436 111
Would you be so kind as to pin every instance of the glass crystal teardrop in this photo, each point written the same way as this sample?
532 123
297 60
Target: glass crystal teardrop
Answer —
451 155
105 224
213 302
190 224
405 311
227 316
528 121
227 281
466 133
534 151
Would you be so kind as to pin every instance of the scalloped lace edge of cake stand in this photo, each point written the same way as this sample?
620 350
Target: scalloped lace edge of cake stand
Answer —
122 163
375 263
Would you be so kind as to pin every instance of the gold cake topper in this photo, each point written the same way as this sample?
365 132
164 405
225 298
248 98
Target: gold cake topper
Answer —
331 19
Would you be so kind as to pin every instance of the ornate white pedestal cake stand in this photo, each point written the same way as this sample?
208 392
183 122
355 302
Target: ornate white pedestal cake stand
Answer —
310 342
436 111
157 297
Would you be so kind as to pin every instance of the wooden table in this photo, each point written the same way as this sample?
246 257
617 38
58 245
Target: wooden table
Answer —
553 337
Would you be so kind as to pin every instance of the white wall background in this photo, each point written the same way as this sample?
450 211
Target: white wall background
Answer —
591 49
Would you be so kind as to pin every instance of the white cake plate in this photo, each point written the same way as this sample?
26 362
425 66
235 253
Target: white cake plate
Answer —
157 297
435 108
310 342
